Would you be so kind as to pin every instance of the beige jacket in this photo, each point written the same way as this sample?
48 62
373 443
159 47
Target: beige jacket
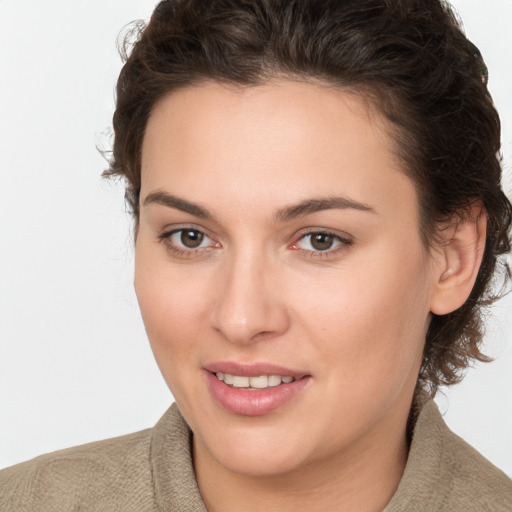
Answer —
152 470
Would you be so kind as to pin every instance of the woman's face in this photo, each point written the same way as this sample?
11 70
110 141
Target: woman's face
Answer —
278 237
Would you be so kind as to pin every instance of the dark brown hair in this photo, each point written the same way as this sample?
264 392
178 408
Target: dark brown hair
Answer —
409 58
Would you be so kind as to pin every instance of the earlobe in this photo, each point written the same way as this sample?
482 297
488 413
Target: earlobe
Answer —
458 260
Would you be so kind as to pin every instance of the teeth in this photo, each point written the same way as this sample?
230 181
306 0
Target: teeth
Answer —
261 382
240 382
274 380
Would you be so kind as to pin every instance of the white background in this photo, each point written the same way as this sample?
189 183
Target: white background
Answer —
75 365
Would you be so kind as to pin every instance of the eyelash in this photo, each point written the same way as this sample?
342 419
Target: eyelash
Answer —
165 238
344 244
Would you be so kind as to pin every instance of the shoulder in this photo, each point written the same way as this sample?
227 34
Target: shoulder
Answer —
444 473
114 474
474 480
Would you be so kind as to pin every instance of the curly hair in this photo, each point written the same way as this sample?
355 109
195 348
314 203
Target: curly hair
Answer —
408 58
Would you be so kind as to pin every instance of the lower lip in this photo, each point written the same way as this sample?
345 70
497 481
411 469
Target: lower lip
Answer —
256 402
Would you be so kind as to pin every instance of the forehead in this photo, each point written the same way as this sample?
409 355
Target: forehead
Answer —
277 142
278 105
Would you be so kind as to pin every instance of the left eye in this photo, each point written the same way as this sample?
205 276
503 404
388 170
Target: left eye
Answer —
189 239
319 241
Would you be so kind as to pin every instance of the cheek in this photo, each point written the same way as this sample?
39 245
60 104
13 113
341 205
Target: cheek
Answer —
370 319
171 305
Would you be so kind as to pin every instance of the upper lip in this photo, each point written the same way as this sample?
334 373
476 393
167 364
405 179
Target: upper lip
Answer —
253 369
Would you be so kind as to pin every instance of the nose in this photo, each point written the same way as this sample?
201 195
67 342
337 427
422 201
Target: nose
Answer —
249 305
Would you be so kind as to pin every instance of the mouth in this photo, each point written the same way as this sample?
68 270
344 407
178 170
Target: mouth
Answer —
254 390
255 383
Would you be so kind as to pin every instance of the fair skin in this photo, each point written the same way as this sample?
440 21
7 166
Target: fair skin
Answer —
338 291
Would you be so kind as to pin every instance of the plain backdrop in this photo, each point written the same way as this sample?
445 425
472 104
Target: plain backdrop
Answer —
75 364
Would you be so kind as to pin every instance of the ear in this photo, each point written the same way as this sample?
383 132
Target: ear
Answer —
458 259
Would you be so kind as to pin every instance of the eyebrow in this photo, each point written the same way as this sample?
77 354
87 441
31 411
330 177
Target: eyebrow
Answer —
301 209
165 199
316 205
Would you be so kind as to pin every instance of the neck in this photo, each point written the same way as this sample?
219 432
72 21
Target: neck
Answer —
362 478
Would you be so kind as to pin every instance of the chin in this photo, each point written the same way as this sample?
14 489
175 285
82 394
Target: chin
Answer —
255 452
260 462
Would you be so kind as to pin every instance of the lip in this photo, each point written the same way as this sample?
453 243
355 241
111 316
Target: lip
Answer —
258 402
252 370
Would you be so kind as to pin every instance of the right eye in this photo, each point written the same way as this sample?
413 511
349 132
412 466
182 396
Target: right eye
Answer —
187 241
189 238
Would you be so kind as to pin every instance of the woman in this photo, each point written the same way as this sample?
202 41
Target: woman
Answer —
318 216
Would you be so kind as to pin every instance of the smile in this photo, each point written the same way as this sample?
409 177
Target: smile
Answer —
254 390
259 382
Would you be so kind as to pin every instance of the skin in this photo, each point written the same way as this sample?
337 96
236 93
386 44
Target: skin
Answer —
353 317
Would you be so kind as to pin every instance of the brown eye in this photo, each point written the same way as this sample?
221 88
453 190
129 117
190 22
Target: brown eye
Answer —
318 242
191 238
188 242
321 241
